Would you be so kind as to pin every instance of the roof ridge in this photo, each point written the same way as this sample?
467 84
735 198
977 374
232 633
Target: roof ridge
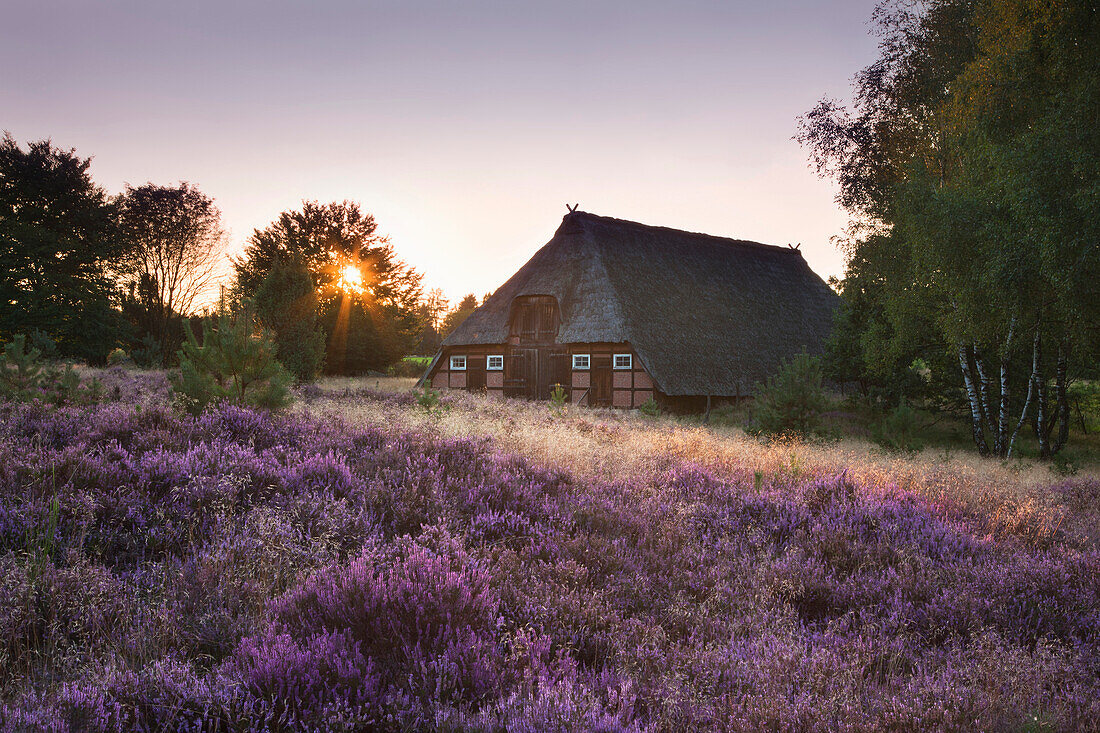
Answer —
713 238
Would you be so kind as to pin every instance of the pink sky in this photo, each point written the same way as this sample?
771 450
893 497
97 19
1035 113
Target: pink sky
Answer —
464 127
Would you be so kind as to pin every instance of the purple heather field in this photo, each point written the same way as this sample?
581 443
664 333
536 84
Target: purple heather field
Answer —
247 571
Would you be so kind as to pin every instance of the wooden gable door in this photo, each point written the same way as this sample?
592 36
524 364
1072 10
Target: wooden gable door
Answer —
533 371
536 362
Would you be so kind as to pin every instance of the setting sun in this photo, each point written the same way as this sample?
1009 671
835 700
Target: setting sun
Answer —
351 279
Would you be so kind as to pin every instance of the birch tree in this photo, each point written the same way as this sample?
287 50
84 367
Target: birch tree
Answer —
971 153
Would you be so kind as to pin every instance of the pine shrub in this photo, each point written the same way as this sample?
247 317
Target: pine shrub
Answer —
24 377
21 370
234 363
791 401
558 399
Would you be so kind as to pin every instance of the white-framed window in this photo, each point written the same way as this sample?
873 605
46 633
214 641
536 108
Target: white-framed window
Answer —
494 362
581 361
458 363
624 361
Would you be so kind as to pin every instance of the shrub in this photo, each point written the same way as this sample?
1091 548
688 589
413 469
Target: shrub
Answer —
24 377
650 408
792 400
233 364
118 357
44 344
558 399
899 430
149 354
410 366
1084 399
243 570
21 371
430 399
286 303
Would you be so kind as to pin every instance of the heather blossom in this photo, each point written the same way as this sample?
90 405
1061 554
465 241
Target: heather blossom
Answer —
239 570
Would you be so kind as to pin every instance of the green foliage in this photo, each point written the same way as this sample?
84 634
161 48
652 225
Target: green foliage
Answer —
149 354
454 318
899 429
58 242
286 303
970 163
650 408
117 357
24 376
64 387
727 415
177 245
44 343
559 398
791 401
367 328
410 366
1063 465
431 400
1084 400
21 371
359 340
41 541
233 363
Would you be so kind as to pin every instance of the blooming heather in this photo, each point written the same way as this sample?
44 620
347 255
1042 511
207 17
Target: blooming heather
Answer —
245 571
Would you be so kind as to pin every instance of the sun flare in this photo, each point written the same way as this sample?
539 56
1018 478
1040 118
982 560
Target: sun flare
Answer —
351 279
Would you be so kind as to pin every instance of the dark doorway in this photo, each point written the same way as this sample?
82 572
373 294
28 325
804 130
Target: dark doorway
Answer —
558 371
475 373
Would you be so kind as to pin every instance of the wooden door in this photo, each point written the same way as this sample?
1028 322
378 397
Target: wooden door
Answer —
521 373
542 377
599 393
535 319
475 373
559 370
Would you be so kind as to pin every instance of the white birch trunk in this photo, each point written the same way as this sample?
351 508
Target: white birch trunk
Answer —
975 404
1001 440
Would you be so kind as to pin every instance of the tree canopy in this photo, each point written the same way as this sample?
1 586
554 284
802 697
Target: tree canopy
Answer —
368 323
970 162
176 247
58 241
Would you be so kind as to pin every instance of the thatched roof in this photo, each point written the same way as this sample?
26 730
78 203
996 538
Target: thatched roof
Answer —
705 315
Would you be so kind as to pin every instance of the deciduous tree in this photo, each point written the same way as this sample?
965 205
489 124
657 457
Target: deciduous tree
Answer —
369 321
177 245
59 240
970 162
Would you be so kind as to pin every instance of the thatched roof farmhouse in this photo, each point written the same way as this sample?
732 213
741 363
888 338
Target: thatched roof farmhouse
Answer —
618 313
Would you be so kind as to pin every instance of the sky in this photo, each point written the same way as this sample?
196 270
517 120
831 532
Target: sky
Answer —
464 127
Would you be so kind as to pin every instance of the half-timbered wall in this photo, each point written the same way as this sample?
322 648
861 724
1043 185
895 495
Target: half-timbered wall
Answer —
600 385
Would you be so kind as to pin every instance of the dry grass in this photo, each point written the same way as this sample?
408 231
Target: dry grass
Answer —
617 445
343 385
